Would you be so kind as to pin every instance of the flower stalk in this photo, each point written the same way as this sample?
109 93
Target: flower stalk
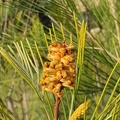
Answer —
60 72
56 108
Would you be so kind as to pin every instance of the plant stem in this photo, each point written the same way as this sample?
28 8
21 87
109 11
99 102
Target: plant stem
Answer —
56 108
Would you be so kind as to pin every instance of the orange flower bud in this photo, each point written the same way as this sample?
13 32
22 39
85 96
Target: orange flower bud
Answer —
62 51
54 49
58 87
59 66
55 56
48 89
47 80
49 70
69 58
68 82
63 80
52 78
71 70
59 75
44 75
70 49
53 63
46 64
64 61
64 74
51 86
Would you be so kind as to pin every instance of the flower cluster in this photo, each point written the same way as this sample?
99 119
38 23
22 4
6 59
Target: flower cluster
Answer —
80 110
60 71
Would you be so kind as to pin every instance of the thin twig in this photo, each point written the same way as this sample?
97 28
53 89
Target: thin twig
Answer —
28 19
24 101
56 108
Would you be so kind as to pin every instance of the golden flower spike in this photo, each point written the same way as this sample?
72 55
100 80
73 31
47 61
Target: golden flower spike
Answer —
80 111
60 72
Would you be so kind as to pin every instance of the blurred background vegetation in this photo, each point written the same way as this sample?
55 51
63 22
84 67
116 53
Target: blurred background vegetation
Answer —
28 26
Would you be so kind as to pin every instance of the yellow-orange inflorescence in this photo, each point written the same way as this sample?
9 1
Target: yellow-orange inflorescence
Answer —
60 71
80 110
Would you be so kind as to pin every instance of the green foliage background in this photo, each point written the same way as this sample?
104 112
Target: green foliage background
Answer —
23 43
